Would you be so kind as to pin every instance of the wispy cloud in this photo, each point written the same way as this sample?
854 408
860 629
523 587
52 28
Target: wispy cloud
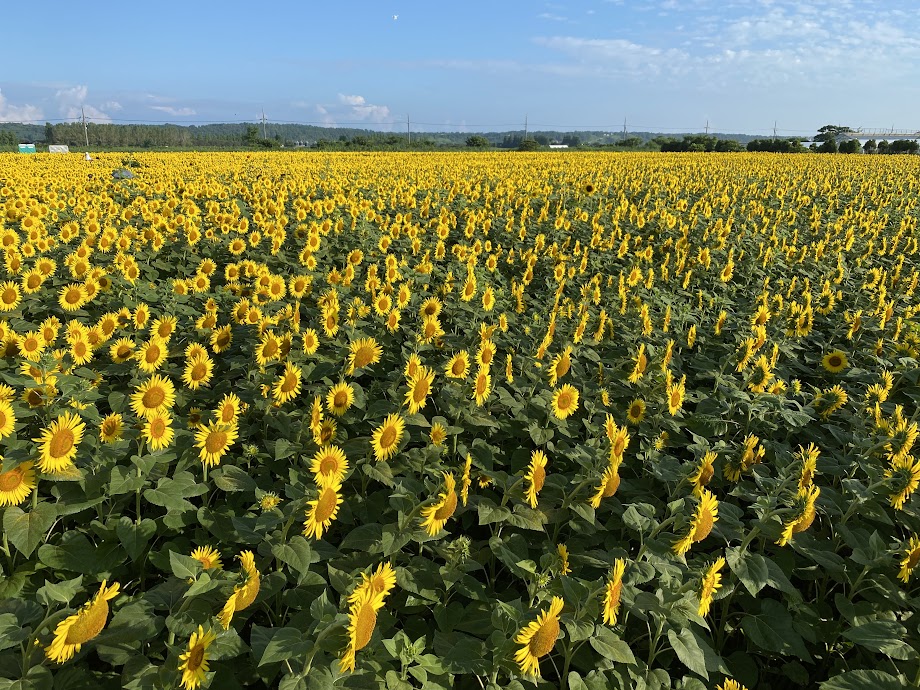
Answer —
175 112
18 113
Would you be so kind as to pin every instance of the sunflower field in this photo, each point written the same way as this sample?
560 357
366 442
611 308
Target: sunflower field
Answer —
457 420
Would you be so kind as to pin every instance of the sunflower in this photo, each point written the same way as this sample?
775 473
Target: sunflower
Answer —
459 365
438 434
703 474
339 398
193 663
419 388
287 386
269 501
905 474
640 365
565 401
430 307
809 458
538 638
381 581
76 630
208 557
268 349
610 482
322 511
712 581
244 593
482 387
560 365
154 395
413 364
436 515
386 437
72 297
676 393
17 483
7 418
122 350
214 440
228 409
310 341
465 480
911 558
221 338
110 429
835 361
31 345
731 685
635 413
706 514
151 355
329 466
362 618
486 353
163 327
158 431
59 443
804 517
536 476
362 353
612 592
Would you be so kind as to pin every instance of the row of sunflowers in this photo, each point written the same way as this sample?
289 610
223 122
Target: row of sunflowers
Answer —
459 421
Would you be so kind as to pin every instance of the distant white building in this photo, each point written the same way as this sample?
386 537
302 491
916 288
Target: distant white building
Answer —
558 146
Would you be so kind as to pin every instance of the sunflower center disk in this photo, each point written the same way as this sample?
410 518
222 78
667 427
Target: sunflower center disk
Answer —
61 443
544 639
89 623
11 480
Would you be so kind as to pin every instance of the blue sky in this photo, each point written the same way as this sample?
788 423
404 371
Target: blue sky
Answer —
664 65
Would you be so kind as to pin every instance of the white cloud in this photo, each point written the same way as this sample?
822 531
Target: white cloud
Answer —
363 111
72 104
18 113
175 112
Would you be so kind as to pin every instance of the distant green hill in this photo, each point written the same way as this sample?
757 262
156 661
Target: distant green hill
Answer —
249 135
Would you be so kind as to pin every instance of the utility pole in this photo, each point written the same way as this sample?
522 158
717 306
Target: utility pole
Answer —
408 132
525 127
774 130
624 129
264 136
85 131
707 128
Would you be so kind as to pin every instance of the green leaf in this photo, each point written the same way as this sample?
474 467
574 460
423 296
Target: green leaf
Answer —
610 646
285 644
886 637
11 632
298 555
171 493
61 592
184 567
862 680
539 435
772 630
688 651
490 513
751 568
231 478
575 681
76 553
134 536
26 530
284 449
364 538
